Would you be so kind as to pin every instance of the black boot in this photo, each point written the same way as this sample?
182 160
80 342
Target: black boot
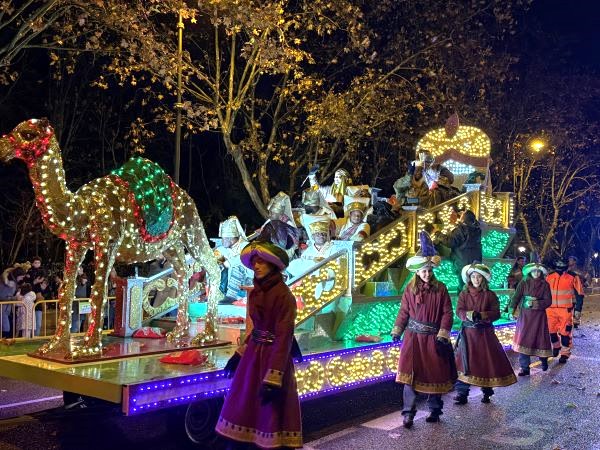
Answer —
434 416
460 399
563 359
523 373
486 398
407 421
555 352
544 364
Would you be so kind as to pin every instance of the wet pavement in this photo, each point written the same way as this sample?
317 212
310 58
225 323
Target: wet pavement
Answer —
554 410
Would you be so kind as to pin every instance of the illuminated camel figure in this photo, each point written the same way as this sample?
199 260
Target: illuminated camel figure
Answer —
129 216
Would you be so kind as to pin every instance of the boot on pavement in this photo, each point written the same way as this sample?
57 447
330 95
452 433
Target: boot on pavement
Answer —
407 421
563 359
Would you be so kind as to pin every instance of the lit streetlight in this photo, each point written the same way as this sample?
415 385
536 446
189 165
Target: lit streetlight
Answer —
537 145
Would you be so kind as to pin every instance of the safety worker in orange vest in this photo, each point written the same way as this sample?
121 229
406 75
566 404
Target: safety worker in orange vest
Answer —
564 287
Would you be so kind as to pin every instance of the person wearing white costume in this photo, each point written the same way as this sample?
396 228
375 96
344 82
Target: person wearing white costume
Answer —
233 273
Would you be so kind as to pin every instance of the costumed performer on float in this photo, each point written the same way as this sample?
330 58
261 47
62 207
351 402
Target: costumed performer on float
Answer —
529 303
262 405
353 227
480 357
233 273
280 229
426 363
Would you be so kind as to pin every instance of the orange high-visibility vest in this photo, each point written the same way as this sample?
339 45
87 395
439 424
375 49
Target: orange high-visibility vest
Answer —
563 288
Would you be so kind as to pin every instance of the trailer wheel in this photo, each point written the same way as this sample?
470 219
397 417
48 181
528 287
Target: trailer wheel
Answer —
201 419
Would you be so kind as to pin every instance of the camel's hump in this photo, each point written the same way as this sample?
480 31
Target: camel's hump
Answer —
152 194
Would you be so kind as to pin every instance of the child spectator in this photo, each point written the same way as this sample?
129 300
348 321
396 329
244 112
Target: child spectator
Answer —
25 311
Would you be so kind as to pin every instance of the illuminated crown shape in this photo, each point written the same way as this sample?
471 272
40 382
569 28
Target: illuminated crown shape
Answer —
462 143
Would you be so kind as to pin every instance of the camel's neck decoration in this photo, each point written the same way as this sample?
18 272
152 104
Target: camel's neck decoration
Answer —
129 216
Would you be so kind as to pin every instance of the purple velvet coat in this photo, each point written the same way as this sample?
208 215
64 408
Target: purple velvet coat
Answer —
245 417
419 364
488 365
532 336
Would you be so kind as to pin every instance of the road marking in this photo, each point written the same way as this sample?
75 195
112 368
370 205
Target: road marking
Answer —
313 445
29 402
390 421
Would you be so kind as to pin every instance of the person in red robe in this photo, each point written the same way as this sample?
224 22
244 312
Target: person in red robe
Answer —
529 304
426 363
262 405
480 358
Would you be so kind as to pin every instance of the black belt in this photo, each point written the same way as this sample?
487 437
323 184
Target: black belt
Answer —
463 345
416 326
262 336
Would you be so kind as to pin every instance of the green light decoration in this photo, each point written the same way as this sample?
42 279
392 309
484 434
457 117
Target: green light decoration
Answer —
373 319
151 187
500 271
494 243
446 273
504 300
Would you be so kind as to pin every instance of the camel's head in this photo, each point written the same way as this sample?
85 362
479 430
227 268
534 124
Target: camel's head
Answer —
28 141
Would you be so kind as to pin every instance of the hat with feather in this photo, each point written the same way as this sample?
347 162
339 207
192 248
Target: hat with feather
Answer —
427 256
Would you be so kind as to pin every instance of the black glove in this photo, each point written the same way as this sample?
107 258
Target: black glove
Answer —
476 316
232 364
269 393
442 345
396 337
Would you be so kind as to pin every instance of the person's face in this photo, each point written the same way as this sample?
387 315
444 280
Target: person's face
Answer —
572 262
228 242
521 262
536 273
261 267
20 278
338 178
80 270
36 264
320 238
418 173
476 279
356 217
44 283
84 280
425 274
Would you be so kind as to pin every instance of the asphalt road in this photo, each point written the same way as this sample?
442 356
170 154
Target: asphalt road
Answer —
558 409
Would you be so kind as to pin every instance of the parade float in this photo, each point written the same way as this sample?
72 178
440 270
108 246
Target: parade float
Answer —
347 302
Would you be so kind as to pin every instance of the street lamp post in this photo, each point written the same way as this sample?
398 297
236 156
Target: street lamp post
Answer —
178 105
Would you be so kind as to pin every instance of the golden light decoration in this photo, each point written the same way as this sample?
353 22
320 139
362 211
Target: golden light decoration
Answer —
379 251
107 215
342 369
491 210
310 378
321 286
468 140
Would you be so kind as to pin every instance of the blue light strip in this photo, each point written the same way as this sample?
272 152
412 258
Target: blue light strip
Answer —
144 397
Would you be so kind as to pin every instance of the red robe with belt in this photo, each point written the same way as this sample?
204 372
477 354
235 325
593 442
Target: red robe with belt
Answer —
488 365
244 416
532 336
419 364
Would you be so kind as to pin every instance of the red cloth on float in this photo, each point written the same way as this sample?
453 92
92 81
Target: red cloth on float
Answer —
185 357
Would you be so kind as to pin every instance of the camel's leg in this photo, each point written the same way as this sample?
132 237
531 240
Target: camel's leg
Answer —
176 257
104 258
61 341
197 244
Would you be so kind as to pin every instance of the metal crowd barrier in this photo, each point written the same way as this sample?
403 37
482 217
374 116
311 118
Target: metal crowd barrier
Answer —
45 319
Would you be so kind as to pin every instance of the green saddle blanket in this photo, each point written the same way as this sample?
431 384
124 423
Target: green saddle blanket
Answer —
151 187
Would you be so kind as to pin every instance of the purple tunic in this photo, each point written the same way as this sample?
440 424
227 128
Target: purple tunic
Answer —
419 364
532 336
245 417
488 365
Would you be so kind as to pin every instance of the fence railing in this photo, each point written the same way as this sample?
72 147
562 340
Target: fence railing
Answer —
18 321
